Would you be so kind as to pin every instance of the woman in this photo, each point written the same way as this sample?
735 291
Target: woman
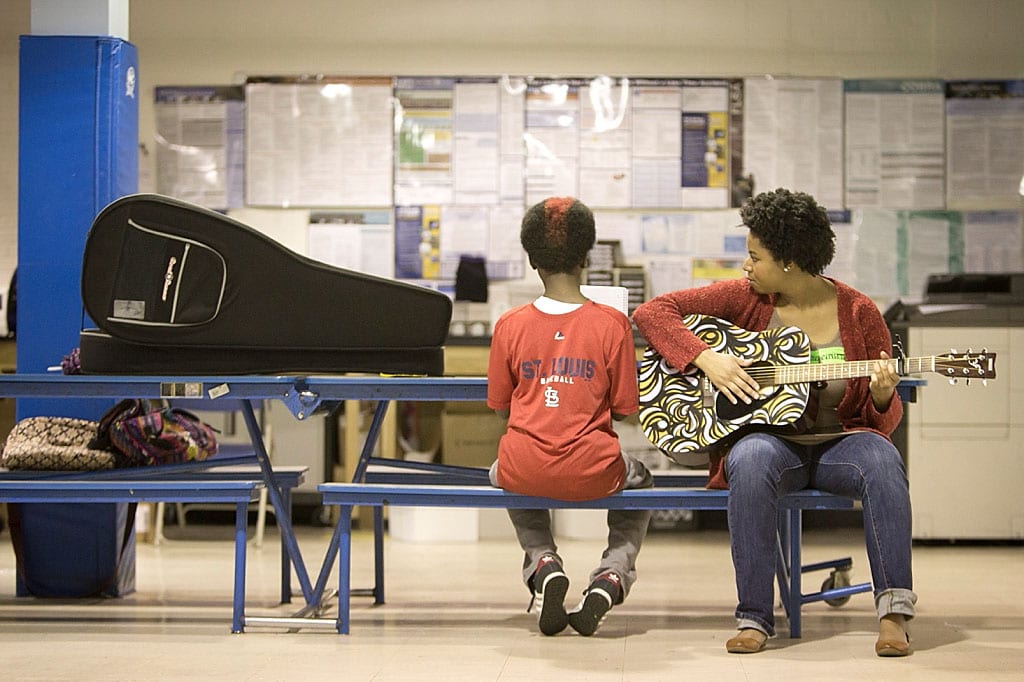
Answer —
846 451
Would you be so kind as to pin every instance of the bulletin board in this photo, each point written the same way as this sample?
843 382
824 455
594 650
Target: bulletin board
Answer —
401 176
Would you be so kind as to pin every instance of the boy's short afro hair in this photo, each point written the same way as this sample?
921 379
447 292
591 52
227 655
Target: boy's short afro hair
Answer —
558 233
793 227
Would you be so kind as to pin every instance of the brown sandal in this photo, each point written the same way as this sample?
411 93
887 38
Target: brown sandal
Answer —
891 648
748 641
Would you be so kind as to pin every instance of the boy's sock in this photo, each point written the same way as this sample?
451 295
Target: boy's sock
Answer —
550 585
599 598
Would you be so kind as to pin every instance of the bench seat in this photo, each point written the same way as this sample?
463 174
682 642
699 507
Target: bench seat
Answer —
237 492
664 495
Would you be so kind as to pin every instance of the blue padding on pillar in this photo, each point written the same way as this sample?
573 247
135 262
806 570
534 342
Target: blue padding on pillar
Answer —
77 152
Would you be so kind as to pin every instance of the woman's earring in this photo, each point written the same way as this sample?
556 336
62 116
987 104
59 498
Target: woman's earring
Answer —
785 269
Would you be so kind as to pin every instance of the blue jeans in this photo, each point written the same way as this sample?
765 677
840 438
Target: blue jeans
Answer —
863 466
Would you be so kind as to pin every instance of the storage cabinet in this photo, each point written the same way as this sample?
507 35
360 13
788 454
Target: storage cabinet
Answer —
965 444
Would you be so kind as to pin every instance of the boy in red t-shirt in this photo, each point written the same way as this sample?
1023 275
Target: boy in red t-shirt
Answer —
560 369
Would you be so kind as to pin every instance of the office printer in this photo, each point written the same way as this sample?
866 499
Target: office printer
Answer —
965 299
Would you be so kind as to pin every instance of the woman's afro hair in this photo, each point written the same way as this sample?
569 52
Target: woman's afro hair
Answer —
793 227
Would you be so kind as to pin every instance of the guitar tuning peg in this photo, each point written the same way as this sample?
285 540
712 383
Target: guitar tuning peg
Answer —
952 351
984 382
952 382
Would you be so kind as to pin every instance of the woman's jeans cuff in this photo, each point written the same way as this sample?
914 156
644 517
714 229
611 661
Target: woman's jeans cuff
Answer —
897 600
750 623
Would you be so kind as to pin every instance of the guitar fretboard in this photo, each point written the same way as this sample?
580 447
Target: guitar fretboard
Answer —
796 374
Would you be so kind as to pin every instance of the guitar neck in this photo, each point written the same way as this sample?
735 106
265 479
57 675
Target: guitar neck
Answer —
798 374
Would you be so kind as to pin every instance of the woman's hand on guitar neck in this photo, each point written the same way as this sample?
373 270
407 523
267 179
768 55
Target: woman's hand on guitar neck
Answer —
883 382
728 375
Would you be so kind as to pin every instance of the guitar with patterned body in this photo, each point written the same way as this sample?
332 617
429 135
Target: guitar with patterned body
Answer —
682 412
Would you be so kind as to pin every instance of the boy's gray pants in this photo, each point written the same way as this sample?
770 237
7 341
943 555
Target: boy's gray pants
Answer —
626 532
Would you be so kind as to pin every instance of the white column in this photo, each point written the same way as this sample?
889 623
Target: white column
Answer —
80 18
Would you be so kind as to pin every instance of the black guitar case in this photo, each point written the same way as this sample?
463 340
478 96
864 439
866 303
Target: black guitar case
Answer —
177 288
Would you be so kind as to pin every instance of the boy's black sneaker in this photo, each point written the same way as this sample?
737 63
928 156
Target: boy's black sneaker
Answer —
599 598
550 585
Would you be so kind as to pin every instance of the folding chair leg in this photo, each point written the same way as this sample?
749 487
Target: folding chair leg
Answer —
158 524
261 517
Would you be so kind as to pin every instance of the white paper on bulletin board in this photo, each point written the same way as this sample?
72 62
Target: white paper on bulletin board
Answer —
793 136
984 144
666 274
992 241
934 246
199 144
322 143
656 144
877 253
356 240
606 144
476 156
552 140
623 227
895 144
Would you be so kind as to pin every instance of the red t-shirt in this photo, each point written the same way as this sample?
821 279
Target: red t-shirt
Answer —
561 377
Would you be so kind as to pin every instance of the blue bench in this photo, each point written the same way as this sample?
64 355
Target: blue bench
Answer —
680 492
215 481
65 490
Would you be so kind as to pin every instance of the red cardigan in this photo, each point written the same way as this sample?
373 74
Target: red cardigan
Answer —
861 329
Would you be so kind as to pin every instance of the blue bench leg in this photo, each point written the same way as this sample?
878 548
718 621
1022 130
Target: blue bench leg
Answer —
378 555
241 522
286 564
284 522
795 520
344 566
788 567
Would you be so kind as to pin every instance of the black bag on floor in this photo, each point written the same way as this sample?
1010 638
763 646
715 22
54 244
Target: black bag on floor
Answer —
73 550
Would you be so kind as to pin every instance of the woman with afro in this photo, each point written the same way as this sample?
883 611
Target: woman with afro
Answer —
846 450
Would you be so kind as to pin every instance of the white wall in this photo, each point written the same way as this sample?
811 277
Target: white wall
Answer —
183 42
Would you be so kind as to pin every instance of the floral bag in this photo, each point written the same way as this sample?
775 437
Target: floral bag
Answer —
141 433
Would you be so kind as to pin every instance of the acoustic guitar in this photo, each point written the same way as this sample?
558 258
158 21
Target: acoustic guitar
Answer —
682 412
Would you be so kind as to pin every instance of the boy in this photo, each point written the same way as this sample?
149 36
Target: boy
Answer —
560 369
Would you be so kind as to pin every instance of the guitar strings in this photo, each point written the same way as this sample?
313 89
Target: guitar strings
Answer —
769 372
842 370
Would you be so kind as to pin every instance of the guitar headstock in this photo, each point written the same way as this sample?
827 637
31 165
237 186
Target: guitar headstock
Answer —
966 366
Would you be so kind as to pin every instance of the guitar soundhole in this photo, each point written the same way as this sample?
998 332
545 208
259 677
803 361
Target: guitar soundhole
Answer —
727 411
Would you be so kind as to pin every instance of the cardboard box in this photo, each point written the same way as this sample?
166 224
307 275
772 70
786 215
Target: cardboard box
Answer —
448 524
433 524
470 437
580 524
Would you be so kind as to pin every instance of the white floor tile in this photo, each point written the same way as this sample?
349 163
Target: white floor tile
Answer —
458 612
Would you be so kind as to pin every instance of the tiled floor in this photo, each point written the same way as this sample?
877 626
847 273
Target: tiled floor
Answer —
457 612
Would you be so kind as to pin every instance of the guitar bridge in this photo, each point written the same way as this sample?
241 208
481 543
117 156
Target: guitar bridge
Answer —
707 393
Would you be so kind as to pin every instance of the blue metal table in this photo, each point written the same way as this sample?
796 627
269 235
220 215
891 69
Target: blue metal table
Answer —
302 395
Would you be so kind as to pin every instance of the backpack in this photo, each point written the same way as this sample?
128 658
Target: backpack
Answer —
141 433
